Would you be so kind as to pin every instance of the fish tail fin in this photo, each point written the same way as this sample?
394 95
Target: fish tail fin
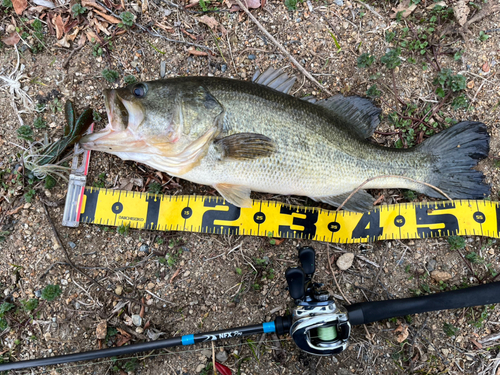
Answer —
456 151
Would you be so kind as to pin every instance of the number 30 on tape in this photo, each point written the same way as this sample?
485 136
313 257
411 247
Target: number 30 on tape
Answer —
266 218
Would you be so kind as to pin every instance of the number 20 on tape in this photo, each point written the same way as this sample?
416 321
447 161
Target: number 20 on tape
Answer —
266 218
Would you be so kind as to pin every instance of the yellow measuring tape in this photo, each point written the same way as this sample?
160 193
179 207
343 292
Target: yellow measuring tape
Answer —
266 218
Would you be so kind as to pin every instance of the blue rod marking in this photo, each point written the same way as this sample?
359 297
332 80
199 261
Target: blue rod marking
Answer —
187 340
269 327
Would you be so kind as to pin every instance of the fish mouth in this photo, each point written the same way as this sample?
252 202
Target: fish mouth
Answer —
119 135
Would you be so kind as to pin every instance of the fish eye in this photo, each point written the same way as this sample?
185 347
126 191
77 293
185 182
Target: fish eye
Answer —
139 90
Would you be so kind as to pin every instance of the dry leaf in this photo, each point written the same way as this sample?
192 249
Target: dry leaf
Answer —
11 39
403 335
14 211
108 17
93 4
176 273
127 183
63 42
121 340
441 4
101 27
91 36
461 11
404 7
58 23
250 4
470 84
209 21
212 23
81 41
20 6
45 3
101 330
195 52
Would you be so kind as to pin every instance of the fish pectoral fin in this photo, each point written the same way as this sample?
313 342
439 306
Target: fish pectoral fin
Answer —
275 79
235 194
245 146
361 201
358 114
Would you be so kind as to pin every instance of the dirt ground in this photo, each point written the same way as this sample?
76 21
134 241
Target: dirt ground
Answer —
193 282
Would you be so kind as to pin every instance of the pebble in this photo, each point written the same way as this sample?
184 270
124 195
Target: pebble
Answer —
72 244
144 248
345 261
139 330
431 265
38 293
207 353
137 320
440 275
119 290
221 356
223 68
251 57
200 368
101 330
339 2
163 69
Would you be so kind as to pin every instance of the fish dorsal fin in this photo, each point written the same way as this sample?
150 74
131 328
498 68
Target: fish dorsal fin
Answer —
358 114
276 79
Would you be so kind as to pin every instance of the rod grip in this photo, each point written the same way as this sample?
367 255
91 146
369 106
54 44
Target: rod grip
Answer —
368 312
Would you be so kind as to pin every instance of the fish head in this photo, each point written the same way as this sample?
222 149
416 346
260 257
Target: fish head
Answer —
160 117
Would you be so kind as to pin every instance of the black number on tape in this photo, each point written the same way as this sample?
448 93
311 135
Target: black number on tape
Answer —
209 217
308 223
153 212
427 215
368 226
88 215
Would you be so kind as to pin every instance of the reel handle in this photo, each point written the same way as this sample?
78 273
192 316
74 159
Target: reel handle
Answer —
296 279
307 257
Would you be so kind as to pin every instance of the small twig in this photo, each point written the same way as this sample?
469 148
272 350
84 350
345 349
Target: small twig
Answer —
333 273
213 358
392 176
370 9
75 50
285 52
480 281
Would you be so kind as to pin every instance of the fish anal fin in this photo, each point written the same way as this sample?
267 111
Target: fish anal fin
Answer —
245 146
361 201
275 79
356 113
235 194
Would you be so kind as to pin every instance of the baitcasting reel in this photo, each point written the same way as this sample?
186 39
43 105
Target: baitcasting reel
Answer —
318 326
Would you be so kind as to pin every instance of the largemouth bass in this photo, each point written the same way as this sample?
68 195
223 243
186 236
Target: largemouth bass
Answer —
240 136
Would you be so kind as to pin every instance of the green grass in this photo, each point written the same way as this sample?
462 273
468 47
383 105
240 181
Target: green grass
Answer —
456 242
51 292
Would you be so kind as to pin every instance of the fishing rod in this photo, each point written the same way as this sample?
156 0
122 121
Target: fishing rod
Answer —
317 324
